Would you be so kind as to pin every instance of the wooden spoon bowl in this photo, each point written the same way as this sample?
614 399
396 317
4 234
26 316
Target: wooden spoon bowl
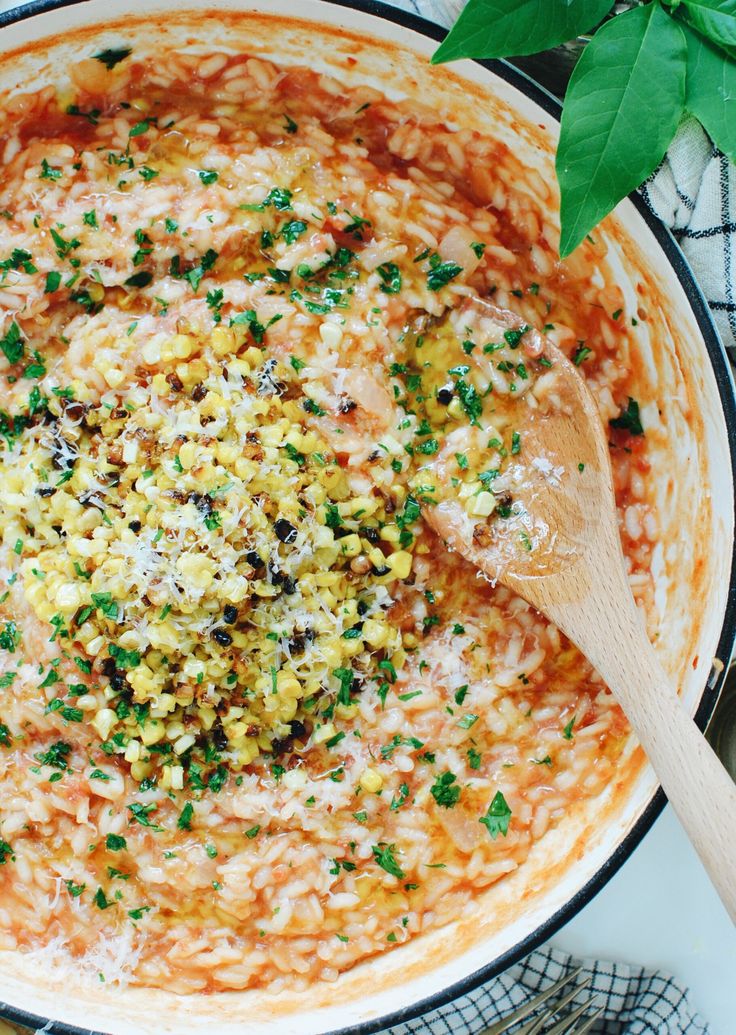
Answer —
560 550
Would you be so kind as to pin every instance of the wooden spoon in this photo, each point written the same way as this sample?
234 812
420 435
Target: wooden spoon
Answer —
562 553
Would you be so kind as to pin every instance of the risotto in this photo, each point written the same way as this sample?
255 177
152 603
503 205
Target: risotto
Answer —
256 722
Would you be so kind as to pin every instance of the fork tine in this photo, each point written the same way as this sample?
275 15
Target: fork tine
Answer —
553 1010
588 1022
566 1025
502 1026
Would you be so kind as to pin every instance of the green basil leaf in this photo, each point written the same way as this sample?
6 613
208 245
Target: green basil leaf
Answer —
715 19
622 108
711 91
505 28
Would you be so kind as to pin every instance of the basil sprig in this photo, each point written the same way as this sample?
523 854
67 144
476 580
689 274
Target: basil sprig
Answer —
640 73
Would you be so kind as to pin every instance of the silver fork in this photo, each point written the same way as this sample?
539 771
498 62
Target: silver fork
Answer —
565 1022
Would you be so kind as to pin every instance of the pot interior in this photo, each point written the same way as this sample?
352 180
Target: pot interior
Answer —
692 472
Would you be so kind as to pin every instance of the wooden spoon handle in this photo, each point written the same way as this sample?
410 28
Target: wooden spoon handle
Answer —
698 787
593 605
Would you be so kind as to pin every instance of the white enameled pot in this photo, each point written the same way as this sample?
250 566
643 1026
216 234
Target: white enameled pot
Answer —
693 473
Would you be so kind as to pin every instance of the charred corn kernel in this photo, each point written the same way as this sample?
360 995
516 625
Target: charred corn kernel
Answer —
371 781
214 545
400 563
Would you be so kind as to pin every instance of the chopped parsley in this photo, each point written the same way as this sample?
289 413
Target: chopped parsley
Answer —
12 343
390 278
581 354
629 419
53 280
441 273
184 822
140 813
111 56
445 791
384 856
49 172
496 819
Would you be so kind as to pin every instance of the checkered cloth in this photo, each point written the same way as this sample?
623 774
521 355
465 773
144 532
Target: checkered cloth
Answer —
693 192
635 1001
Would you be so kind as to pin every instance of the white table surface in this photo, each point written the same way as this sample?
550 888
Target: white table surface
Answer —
659 911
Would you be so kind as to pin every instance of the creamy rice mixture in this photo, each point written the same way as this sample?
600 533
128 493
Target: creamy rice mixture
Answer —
256 723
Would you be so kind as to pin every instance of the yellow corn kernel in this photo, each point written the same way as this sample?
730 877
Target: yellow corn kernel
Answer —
371 781
377 557
390 533
375 633
182 346
132 751
222 341
153 731
184 743
322 733
104 721
400 563
197 570
350 545
140 770
114 377
288 685
160 385
95 645
187 455
482 505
